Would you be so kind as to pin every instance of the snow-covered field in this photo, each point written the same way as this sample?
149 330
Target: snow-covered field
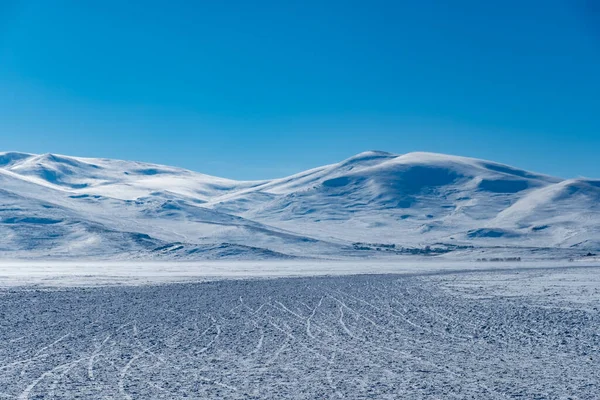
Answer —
477 331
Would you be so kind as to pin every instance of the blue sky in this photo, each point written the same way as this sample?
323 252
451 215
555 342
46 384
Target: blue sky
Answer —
258 89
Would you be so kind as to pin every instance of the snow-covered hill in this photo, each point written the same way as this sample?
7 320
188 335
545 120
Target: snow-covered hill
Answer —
374 203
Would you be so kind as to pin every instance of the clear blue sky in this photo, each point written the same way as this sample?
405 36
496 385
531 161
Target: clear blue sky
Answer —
257 89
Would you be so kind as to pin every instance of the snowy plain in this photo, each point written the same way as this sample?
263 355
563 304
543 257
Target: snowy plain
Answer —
426 331
97 273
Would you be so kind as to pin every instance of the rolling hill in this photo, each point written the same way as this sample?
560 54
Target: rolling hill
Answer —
372 204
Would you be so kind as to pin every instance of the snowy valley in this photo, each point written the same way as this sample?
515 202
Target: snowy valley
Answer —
362 279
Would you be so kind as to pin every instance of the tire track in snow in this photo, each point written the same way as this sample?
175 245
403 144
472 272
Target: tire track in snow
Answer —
312 314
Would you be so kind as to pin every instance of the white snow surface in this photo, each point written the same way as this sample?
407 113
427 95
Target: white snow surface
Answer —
505 333
69 273
374 204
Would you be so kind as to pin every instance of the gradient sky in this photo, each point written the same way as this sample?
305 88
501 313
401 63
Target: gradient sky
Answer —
261 89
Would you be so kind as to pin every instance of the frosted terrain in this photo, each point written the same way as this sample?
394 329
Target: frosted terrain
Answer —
374 204
508 333
368 278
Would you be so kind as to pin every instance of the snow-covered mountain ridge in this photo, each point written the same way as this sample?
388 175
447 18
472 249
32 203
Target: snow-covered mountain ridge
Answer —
374 203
